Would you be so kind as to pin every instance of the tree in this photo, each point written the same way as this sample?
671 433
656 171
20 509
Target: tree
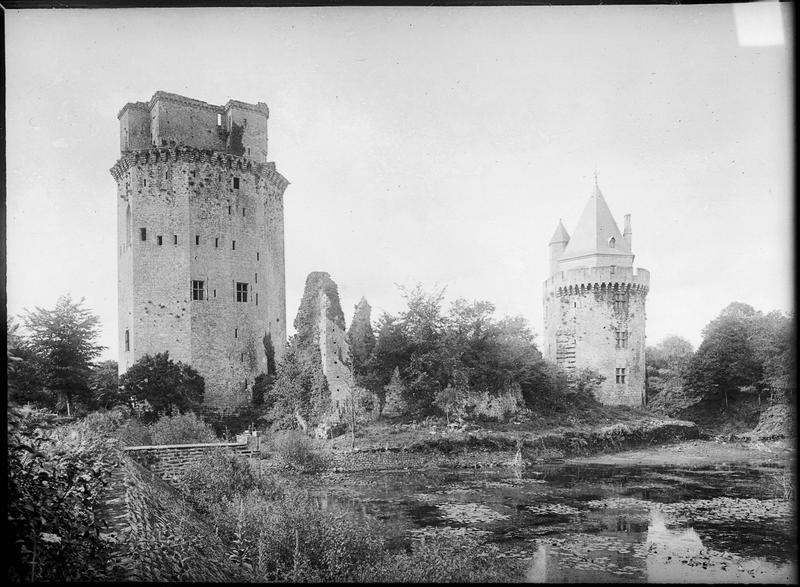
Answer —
64 342
300 392
168 387
25 382
104 385
773 344
394 404
666 366
726 360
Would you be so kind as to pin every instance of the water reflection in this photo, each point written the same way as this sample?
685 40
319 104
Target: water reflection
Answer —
664 555
592 523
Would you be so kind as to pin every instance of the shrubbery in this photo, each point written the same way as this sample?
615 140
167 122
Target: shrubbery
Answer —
55 480
294 449
280 533
185 428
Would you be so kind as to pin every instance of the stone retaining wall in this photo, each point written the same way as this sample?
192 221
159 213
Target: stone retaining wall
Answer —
167 461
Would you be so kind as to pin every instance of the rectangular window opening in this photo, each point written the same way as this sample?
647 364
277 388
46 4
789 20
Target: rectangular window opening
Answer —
143 234
229 210
241 358
174 239
127 340
241 291
216 243
256 277
256 298
233 245
198 290
622 339
197 239
257 256
235 333
159 240
236 183
219 119
243 214
620 300
620 374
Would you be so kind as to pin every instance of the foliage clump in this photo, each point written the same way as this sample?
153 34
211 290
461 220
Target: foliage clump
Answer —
278 532
159 386
294 449
55 483
55 355
185 428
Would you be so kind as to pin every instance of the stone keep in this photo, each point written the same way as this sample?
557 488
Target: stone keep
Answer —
201 252
594 304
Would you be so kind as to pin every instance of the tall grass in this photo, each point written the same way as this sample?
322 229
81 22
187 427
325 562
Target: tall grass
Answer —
275 531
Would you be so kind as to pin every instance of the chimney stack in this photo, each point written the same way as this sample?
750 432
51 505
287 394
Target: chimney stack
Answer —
627 232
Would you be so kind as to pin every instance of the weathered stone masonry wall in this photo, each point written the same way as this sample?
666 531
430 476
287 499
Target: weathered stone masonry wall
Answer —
195 177
168 461
189 195
581 322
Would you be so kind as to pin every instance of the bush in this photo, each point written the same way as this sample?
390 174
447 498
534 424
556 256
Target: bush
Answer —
107 422
55 482
217 477
294 449
182 429
280 533
134 433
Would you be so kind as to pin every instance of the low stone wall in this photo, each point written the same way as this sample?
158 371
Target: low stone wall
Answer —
167 461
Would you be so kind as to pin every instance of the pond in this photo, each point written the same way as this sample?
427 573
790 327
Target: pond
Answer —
593 522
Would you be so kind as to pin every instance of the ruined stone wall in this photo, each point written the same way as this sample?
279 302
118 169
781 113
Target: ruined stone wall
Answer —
134 127
183 121
274 265
581 322
247 126
335 351
192 196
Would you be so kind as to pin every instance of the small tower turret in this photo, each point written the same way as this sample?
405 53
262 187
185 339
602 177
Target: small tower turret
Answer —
558 243
627 233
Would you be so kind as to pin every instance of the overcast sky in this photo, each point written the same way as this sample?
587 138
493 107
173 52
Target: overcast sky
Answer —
432 145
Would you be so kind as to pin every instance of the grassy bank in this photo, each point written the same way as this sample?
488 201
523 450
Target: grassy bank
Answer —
408 445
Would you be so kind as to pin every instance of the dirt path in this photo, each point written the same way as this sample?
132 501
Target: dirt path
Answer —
700 452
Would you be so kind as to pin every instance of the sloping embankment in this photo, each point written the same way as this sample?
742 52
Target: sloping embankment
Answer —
495 449
168 541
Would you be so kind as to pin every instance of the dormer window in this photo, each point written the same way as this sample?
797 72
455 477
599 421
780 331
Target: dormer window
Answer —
612 243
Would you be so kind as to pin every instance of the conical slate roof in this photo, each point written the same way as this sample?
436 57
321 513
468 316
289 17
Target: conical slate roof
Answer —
595 230
560 235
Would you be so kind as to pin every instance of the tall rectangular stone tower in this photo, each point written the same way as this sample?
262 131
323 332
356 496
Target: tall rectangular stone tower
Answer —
594 304
201 250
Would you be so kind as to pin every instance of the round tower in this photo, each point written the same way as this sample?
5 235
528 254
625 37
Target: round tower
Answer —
594 307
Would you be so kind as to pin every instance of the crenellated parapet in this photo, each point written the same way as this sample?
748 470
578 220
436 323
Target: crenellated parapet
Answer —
181 154
598 280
